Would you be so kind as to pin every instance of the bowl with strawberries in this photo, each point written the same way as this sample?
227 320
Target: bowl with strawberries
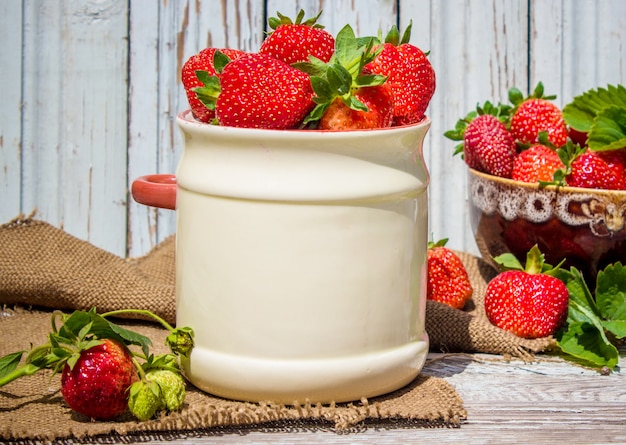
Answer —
302 212
551 177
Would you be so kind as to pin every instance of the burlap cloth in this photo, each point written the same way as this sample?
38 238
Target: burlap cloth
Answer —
43 268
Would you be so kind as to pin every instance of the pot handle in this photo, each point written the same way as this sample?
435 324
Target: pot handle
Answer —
158 190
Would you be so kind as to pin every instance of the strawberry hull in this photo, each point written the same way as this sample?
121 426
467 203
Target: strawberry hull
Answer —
585 227
301 260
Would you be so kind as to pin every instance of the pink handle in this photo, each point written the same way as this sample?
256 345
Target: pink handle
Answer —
155 191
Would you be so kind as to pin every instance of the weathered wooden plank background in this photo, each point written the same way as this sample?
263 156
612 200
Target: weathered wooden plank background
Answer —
90 90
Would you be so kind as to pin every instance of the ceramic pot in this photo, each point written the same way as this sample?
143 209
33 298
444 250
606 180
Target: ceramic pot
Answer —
300 259
584 227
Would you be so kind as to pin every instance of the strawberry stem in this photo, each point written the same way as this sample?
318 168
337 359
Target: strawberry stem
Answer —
164 323
22 371
180 340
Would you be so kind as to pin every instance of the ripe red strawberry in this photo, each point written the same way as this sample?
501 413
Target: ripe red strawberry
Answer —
202 61
488 146
578 137
259 91
592 170
616 160
536 114
529 303
536 164
97 384
409 73
448 281
379 102
294 42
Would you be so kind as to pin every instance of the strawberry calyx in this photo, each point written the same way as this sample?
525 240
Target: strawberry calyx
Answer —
535 263
211 89
440 243
393 36
517 97
343 75
275 22
567 153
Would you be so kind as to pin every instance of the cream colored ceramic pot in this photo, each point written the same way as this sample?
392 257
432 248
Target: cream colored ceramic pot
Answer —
301 260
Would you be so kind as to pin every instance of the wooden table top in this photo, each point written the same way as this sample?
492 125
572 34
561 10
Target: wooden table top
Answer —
508 402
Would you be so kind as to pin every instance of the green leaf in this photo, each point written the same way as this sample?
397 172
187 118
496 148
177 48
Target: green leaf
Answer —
580 113
516 96
508 261
579 292
208 93
616 327
370 80
339 79
355 103
314 67
611 292
406 35
323 91
220 60
131 337
588 343
608 131
346 46
393 36
9 363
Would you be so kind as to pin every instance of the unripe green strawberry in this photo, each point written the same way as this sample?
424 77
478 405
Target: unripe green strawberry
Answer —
145 399
172 387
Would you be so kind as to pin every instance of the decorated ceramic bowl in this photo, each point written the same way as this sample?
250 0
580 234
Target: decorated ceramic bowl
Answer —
586 227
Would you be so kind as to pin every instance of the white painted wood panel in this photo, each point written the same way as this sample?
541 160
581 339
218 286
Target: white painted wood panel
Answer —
74 101
91 90
10 116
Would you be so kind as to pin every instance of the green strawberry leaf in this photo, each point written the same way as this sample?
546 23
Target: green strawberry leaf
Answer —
354 103
314 67
508 261
370 80
579 292
81 324
616 327
220 60
9 363
608 131
589 320
348 52
611 298
208 93
586 342
581 112
339 79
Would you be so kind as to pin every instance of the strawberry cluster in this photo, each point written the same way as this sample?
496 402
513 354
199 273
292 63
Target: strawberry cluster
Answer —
532 140
101 376
303 77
